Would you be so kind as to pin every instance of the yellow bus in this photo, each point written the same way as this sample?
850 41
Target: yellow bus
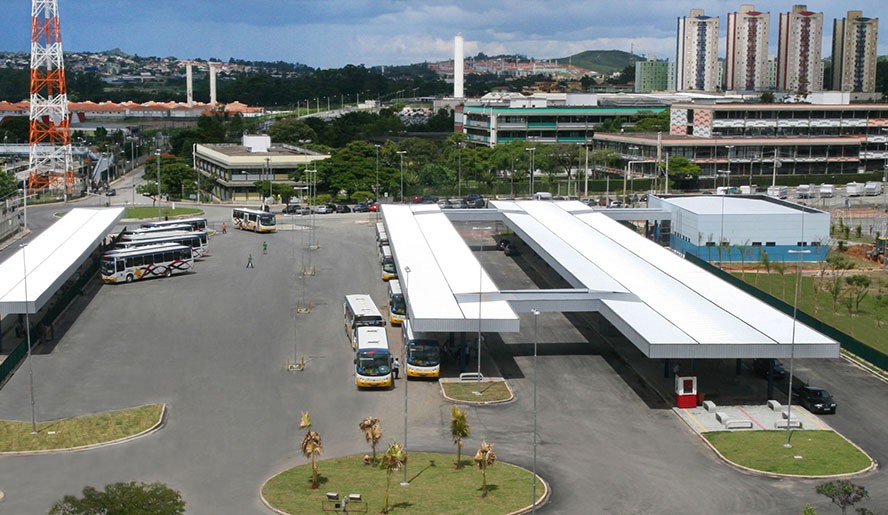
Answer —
389 271
254 220
397 304
358 310
373 360
423 353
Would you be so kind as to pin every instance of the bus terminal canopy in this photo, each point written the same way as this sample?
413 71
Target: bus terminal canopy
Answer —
52 257
665 305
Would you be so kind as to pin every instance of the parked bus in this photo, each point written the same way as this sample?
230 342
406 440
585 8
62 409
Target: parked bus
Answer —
128 265
197 224
423 353
381 235
254 220
197 240
397 304
388 263
154 230
373 360
360 311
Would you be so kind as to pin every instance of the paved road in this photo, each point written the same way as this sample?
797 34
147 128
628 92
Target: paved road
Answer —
214 345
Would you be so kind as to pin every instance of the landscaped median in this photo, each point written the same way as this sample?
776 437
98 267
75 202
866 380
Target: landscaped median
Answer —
80 432
436 486
489 390
813 452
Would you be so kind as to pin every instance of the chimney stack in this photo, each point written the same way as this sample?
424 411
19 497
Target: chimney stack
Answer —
189 90
212 84
458 66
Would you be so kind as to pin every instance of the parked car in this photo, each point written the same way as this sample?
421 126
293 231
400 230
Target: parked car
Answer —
429 199
374 207
458 204
502 244
110 192
474 200
343 208
814 399
361 207
325 208
445 204
616 203
296 209
760 367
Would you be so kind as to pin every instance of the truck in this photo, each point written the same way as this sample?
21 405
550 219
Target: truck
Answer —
854 189
777 191
813 398
748 190
877 251
807 191
827 191
873 188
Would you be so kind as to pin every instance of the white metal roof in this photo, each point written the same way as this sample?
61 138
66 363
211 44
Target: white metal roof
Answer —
52 257
444 281
733 205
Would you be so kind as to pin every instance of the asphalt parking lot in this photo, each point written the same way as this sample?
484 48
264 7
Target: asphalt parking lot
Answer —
214 345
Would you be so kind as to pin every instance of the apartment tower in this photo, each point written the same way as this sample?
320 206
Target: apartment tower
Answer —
800 38
855 53
746 57
696 53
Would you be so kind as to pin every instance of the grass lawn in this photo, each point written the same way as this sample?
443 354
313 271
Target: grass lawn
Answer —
813 453
490 391
436 486
78 431
151 212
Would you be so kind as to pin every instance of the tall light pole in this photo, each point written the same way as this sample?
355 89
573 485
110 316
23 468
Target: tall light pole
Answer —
459 146
728 178
401 153
531 169
268 174
536 315
480 289
28 338
157 158
632 148
376 191
406 378
795 308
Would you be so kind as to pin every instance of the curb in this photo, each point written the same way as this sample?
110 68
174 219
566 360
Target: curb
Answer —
742 468
161 422
511 398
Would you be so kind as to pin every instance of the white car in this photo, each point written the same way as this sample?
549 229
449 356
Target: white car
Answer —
324 209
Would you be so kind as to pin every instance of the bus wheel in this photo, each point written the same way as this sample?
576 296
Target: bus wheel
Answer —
168 273
129 278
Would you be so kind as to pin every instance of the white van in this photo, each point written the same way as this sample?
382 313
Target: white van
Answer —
542 195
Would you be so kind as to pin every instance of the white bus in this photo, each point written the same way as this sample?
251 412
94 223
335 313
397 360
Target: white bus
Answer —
154 230
397 304
423 353
128 265
388 263
197 240
359 311
197 224
253 220
373 360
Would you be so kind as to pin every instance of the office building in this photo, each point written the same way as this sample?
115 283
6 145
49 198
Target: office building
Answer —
696 57
746 56
652 75
800 38
855 53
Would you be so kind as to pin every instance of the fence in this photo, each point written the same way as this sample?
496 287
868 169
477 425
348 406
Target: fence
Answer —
848 342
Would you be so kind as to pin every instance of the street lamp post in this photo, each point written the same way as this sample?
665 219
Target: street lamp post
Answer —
157 158
536 314
401 153
28 338
406 379
632 149
480 289
795 308
728 178
532 150
459 146
376 191
268 174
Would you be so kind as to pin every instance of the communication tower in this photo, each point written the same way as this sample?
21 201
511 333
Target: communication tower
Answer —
50 162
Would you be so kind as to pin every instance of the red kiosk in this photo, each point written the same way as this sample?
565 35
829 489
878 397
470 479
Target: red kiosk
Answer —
686 391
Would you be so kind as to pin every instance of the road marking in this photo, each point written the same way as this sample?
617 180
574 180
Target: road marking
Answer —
692 417
754 421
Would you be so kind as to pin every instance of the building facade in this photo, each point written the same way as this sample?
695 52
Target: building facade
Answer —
800 38
746 55
855 52
696 57
652 75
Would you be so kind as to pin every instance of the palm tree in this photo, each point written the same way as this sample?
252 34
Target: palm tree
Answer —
372 432
311 446
485 457
459 429
392 461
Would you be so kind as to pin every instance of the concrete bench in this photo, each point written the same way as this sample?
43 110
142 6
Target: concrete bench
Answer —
785 414
774 405
781 424
473 377
738 423
709 406
721 416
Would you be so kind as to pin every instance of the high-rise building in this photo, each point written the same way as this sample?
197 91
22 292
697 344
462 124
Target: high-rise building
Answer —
696 56
651 75
746 57
799 68
855 53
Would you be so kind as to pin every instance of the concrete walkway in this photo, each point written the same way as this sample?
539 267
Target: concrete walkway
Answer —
712 417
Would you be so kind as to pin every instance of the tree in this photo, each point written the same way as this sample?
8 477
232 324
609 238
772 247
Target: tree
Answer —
780 268
123 499
836 286
765 261
843 493
311 446
744 253
858 287
392 461
7 184
372 432
484 458
291 130
459 429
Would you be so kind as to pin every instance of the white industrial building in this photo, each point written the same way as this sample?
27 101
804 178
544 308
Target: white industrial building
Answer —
743 228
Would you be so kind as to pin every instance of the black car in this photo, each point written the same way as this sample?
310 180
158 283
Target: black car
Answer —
343 208
110 192
814 399
760 367
474 200
429 199
296 209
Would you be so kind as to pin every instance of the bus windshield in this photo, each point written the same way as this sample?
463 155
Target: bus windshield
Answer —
369 320
398 306
423 353
108 265
374 362
267 219
388 264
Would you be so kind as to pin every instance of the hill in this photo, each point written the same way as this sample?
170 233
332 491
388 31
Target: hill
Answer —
601 61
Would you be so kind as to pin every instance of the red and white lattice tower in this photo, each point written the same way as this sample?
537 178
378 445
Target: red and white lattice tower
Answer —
50 161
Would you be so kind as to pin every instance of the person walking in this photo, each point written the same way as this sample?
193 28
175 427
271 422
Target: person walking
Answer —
396 367
264 247
250 261
224 228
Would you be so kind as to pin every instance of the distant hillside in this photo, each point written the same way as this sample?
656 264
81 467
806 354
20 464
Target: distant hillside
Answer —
602 61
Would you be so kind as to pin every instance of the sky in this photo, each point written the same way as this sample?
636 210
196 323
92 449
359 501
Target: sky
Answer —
334 33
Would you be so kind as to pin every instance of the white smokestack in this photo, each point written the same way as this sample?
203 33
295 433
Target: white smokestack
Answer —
458 66
189 91
212 84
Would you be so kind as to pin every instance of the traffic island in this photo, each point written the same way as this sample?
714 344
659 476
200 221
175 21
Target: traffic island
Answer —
474 390
436 486
81 433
